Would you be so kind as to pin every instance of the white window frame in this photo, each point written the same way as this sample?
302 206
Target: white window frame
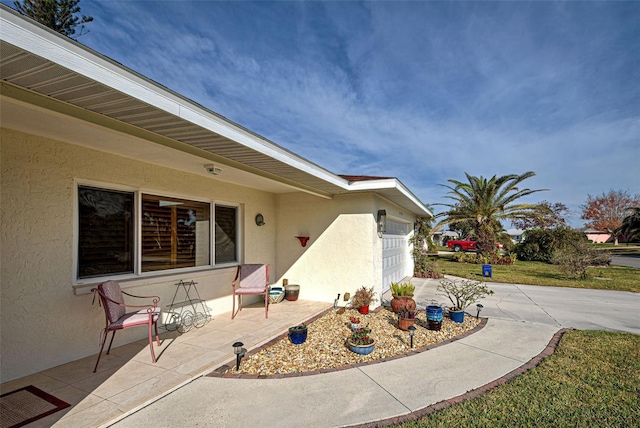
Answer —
137 259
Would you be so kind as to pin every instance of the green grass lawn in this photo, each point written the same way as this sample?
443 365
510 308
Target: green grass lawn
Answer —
537 273
592 380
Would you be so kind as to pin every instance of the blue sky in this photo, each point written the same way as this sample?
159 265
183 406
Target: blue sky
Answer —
422 91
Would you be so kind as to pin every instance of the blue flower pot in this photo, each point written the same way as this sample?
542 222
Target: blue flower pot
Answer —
434 317
457 316
297 336
362 349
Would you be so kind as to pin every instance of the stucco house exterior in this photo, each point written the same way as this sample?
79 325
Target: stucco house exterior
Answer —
598 236
108 175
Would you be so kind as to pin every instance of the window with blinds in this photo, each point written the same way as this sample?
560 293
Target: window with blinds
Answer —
175 233
172 233
105 232
225 235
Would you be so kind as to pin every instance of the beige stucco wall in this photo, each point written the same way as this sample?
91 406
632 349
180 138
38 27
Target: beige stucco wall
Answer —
344 251
43 324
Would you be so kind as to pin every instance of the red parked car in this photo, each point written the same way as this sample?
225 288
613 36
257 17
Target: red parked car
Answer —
468 244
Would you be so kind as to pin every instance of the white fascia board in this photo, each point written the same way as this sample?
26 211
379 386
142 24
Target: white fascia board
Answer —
46 43
389 183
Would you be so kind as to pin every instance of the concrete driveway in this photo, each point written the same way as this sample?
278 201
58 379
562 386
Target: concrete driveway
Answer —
562 307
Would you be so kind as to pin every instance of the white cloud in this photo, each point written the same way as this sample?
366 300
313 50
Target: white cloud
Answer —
424 91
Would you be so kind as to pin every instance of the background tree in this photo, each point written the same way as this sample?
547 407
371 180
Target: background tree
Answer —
552 215
59 15
540 244
606 212
485 203
630 227
464 229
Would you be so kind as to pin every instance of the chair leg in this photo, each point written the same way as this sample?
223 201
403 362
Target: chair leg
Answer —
111 343
157 337
153 354
233 310
266 305
106 333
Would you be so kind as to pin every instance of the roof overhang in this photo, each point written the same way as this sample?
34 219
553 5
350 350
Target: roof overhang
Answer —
63 83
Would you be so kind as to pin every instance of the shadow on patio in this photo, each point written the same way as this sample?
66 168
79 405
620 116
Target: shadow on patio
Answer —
127 380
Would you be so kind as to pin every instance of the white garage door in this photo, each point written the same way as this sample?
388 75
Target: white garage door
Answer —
396 254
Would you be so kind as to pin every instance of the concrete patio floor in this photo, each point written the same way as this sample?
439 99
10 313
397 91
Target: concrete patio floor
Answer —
130 391
127 380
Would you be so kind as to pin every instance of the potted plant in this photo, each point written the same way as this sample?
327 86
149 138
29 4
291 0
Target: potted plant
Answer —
402 296
462 293
355 323
362 298
361 342
406 318
298 334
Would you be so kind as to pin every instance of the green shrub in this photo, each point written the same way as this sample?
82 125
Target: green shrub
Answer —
427 268
541 244
486 258
575 258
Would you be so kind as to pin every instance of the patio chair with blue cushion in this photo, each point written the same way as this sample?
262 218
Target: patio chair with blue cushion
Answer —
251 279
117 317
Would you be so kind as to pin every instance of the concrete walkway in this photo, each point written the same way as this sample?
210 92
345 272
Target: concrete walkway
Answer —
522 321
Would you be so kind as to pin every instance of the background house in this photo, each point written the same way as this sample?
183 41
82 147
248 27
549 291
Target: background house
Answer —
108 175
442 236
597 236
516 235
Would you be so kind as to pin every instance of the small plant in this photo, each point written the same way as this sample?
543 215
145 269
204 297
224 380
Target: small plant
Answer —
354 320
407 313
361 337
300 327
399 289
463 293
363 297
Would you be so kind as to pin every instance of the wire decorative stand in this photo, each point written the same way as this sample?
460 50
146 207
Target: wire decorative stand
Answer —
188 313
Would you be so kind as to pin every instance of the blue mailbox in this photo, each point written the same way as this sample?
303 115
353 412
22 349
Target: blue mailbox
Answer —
486 271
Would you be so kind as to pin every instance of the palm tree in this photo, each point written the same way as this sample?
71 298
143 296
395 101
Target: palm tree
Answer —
630 226
485 203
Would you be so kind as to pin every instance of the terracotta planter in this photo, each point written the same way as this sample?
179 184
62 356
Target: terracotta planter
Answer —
364 310
291 292
404 323
399 302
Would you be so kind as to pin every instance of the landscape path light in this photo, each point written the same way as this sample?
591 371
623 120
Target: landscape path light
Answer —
412 332
239 351
479 307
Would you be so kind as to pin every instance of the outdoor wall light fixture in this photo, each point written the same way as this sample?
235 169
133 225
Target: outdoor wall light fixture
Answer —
412 332
303 240
260 220
479 308
212 169
239 351
382 221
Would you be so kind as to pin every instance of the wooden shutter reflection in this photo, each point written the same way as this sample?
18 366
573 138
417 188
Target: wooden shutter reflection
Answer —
169 232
